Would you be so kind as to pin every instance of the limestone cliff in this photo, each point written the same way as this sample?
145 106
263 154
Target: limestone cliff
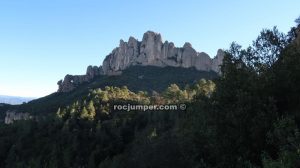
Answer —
150 51
72 81
12 116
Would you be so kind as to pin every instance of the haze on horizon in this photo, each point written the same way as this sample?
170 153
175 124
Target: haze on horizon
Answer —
41 42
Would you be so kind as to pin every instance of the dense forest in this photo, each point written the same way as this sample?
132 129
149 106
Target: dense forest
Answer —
248 117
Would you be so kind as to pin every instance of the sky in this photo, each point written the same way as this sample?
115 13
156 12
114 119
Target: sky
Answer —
41 41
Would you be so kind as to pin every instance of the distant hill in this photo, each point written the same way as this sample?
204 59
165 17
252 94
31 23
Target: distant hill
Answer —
14 100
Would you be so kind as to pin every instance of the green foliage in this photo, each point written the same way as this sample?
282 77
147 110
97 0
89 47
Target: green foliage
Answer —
3 109
174 94
285 136
298 21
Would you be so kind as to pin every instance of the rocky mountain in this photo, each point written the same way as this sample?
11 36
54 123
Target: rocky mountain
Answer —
151 51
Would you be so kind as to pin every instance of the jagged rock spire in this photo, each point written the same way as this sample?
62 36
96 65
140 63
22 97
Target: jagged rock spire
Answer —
150 51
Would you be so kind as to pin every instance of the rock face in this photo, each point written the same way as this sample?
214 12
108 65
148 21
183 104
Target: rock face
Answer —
12 116
150 51
70 82
217 61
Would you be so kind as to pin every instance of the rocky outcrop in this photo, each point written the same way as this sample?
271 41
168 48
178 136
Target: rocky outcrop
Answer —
70 82
12 116
150 51
217 61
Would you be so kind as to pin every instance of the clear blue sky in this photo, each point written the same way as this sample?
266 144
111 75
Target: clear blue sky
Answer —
41 41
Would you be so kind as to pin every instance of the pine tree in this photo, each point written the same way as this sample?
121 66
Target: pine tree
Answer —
84 113
91 110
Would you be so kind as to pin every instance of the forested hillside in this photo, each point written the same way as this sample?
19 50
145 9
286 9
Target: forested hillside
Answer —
136 78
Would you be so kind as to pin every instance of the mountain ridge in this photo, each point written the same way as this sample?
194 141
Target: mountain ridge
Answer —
151 51
14 100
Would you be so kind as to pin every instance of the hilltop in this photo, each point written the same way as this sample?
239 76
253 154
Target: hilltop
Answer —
151 51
